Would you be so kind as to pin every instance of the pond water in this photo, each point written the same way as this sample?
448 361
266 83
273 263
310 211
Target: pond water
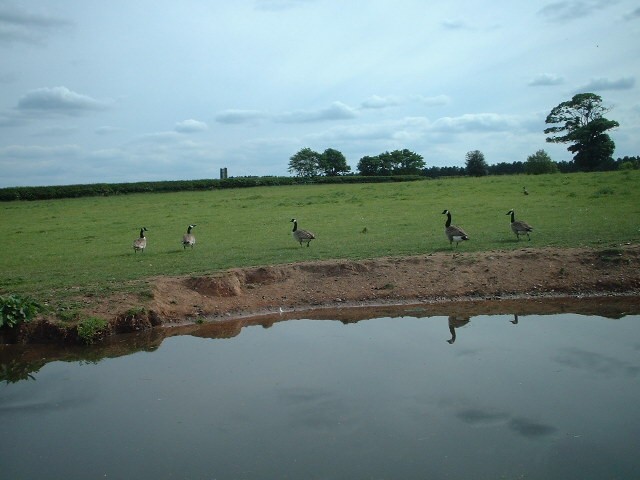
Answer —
482 397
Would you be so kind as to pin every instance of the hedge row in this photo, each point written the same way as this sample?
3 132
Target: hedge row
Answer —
107 189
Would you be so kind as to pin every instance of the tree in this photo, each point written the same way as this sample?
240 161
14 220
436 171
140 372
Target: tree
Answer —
476 164
305 163
333 163
540 162
369 166
581 123
406 162
398 162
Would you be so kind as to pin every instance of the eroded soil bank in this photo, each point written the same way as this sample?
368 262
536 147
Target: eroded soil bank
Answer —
441 278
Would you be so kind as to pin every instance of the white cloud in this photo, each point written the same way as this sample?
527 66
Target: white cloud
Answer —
234 116
21 26
336 111
601 84
107 130
478 122
21 152
456 24
633 14
437 101
565 11
191 126
546 79
377 102
279 5
56 131
58 100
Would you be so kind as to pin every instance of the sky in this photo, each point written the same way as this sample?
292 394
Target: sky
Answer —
124 91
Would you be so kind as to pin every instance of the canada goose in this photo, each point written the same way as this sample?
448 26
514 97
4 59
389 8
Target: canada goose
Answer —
140 243
456 321
519 227
301 235
188 239
525 191
453 233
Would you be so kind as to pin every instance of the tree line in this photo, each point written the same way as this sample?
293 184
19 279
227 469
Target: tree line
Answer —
580 122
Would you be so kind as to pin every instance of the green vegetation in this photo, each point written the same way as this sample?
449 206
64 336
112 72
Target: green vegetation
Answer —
92 329
16 309
57 249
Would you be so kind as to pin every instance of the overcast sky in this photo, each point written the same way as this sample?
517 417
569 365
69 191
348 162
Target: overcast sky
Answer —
121 91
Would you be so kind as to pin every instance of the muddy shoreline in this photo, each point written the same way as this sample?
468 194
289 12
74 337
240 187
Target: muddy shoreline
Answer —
438 282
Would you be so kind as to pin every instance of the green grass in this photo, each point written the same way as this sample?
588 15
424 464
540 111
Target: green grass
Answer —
54 249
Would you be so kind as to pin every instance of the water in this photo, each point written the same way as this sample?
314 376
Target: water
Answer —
540 397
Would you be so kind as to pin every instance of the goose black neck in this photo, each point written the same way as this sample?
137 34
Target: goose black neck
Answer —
189 229
448 224
142 233
295 225
513 217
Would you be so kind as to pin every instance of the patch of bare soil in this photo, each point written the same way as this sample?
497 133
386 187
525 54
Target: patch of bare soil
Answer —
442 277
427 278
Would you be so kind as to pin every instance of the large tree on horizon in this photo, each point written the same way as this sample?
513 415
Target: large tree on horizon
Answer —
305 163
581 122
475 163
332 163
397 162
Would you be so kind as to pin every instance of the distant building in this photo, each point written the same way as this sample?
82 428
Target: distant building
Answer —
223 173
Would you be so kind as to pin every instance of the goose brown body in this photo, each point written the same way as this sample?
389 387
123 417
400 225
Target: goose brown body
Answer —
301 235
519 227
453 233
189 239
140 243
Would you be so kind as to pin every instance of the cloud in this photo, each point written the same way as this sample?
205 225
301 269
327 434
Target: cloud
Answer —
633 14
531 429
279 5
24 152
190 126
239 116
106 130
375 102
625 83
56 131
336 111
59 101
546 79
476 122
437 101
565 11
476 416
596 363
450 24
20 26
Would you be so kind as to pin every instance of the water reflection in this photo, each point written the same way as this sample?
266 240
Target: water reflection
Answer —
456 321
22 362
382 397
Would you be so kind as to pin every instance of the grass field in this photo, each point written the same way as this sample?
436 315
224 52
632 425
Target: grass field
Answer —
52 248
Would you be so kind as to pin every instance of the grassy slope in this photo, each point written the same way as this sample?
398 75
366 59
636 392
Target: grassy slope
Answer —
53 247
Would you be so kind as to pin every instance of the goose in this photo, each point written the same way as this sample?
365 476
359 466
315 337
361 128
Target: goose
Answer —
188 239
525 191
140 243
519 227
453 233
301 235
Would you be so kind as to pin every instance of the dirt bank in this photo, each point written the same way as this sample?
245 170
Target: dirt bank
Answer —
428 279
